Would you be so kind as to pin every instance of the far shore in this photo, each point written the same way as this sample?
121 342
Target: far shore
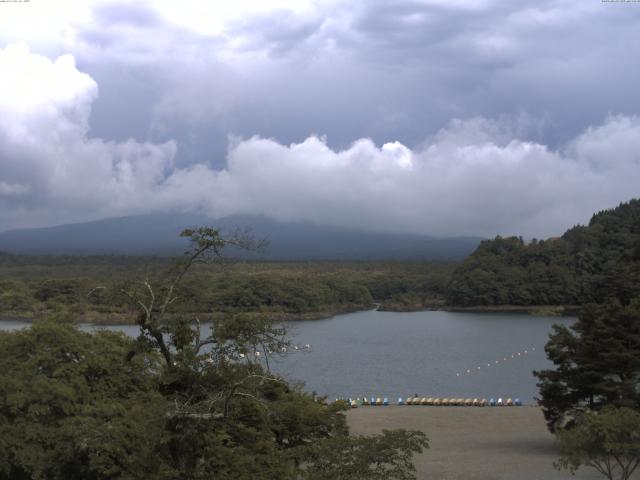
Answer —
119 318
542 310
480 443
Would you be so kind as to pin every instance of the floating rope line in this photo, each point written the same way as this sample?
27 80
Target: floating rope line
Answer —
514 356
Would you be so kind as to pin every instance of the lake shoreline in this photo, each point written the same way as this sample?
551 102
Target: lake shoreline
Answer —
117 318
544 310
391 354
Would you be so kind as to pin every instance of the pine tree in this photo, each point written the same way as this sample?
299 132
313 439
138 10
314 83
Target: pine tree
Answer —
597 363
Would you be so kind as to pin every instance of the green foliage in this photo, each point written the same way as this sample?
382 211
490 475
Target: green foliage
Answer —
174 403
73 407
91 287
587 264
608 441
15 296
70 406
366 458
597 363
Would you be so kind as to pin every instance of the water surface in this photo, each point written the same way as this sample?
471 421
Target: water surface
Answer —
393 354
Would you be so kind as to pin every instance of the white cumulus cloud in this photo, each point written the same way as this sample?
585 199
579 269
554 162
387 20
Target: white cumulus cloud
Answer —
473 177
48 165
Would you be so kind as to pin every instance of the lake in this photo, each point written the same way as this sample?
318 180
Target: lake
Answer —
431 353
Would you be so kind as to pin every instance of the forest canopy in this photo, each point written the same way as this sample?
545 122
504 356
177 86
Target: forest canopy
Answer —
588 264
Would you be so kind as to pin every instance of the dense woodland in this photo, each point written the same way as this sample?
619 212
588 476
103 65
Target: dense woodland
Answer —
174 402
90 286
587 264
171 404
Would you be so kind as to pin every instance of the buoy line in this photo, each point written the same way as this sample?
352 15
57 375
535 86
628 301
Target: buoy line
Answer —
498 361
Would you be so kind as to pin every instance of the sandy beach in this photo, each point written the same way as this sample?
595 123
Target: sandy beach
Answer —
474 443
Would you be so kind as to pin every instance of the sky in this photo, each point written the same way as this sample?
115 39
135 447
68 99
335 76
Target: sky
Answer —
457 117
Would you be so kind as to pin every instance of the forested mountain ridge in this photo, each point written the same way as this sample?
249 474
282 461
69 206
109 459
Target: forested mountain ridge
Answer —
158 234
587 264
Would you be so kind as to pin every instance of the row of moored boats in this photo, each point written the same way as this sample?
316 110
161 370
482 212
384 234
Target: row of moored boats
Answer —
434 401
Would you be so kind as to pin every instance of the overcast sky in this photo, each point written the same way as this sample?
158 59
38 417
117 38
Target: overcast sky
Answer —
443 117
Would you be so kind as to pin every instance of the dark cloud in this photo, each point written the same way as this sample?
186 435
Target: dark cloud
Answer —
539 74
388 71
280 32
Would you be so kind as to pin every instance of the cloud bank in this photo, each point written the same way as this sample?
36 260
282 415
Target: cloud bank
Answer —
473 177
196 71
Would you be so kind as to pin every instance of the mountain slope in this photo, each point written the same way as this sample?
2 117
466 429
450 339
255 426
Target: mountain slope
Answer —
158 235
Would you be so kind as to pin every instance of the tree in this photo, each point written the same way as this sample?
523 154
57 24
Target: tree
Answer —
597 363
177 402
608 441
587 264
366 458
71 407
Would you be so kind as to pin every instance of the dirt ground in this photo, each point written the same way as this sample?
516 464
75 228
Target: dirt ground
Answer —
490 443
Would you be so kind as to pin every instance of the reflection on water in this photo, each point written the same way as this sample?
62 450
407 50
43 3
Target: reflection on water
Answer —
398 354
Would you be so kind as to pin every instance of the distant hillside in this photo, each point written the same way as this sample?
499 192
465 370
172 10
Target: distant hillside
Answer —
587 264
158 235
